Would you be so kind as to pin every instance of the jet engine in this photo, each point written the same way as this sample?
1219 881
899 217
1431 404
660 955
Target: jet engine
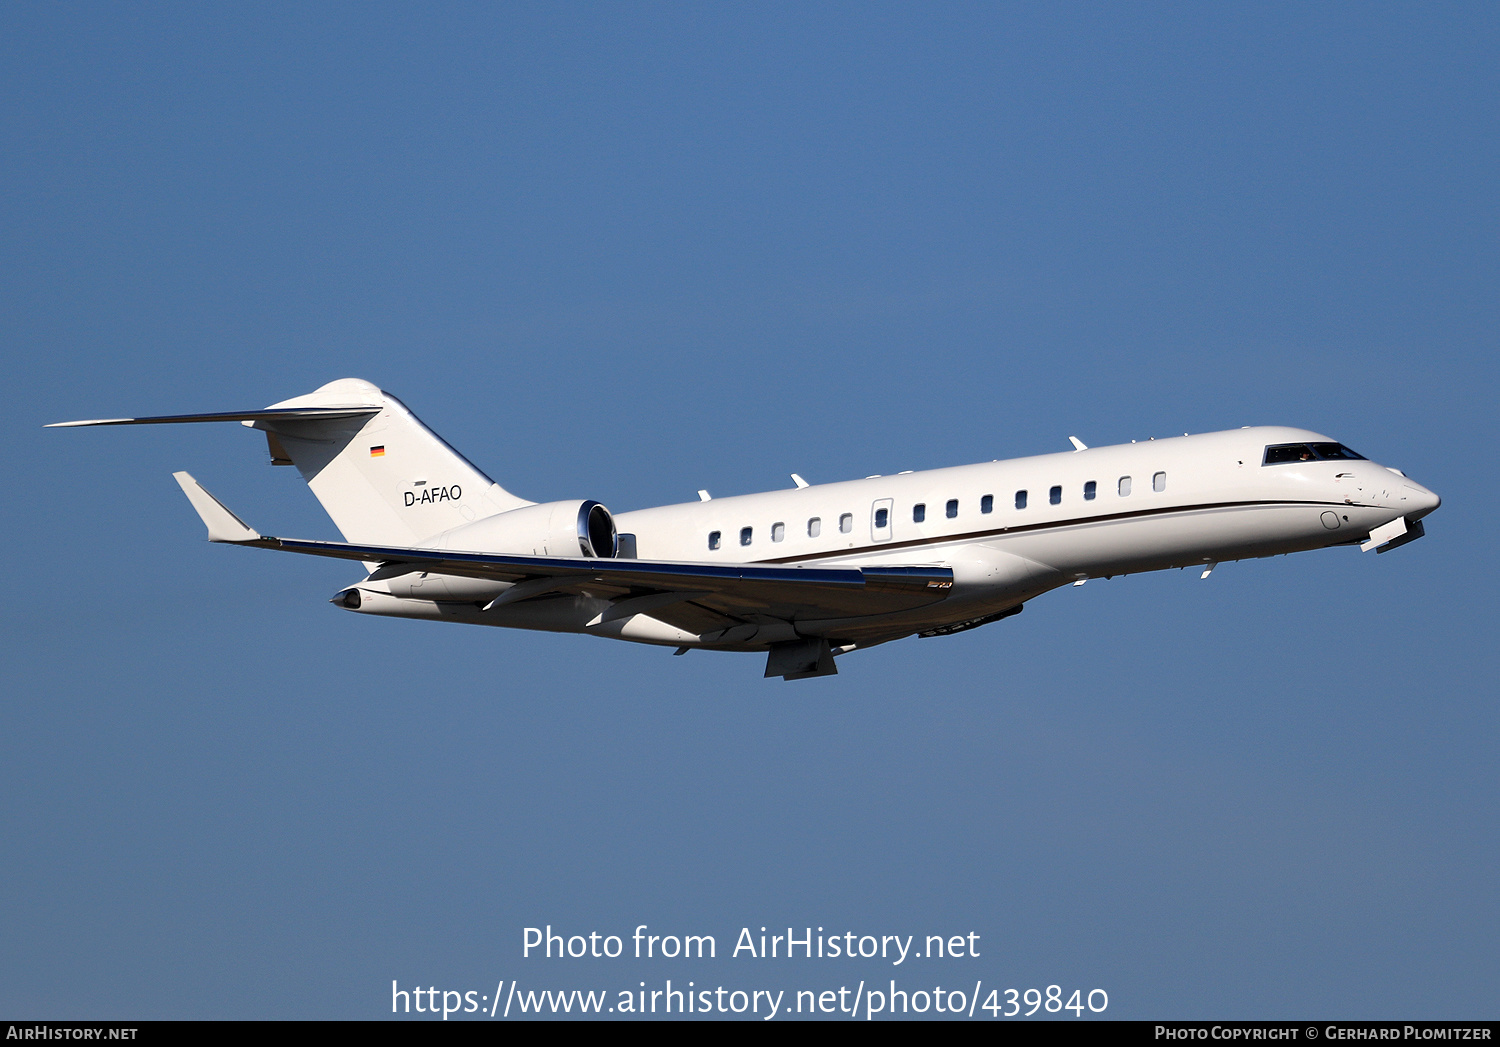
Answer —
583 528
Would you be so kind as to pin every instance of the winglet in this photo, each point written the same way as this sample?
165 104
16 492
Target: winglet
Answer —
1078 445
223 525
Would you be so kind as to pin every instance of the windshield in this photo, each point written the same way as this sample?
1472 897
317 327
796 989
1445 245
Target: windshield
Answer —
1276 454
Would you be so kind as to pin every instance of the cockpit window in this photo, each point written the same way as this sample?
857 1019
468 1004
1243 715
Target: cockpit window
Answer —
1277 454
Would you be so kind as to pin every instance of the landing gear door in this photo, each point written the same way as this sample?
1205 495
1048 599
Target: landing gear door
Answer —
880 520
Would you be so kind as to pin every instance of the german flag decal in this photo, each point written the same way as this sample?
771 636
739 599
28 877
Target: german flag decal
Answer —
377 452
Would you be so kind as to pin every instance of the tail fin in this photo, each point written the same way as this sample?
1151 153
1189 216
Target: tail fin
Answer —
383 478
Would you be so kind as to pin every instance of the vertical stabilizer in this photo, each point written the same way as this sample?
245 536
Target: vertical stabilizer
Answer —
383 478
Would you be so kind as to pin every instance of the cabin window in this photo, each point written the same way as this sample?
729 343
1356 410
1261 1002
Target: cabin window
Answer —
1090 489
1020 499
882 519
1124 486
1159 482
919 512
778 532
713 539
1277 454
1055 496
746 533
987 504
814 526
846 523
952 508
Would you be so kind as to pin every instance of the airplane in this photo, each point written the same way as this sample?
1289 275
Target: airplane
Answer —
805 574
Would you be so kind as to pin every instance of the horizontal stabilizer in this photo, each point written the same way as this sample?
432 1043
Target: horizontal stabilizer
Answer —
285 414
223 525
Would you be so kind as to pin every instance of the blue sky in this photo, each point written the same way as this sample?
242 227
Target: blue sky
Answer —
627 251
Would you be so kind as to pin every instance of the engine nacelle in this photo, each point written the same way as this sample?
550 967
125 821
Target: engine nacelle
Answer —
582 528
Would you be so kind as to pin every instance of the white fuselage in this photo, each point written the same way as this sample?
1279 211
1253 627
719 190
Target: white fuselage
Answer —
1099 512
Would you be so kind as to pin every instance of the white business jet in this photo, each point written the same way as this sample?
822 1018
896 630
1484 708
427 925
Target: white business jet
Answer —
806 573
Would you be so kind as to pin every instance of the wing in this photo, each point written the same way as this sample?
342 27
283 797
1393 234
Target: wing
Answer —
700 597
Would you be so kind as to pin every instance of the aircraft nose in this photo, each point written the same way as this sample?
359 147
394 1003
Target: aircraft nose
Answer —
1423 500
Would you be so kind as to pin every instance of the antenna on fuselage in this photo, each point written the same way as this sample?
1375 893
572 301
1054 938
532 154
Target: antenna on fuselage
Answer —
1078 445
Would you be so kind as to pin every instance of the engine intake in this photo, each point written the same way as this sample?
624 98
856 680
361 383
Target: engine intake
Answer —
596 531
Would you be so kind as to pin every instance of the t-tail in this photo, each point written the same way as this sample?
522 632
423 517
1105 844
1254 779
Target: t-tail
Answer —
383 476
